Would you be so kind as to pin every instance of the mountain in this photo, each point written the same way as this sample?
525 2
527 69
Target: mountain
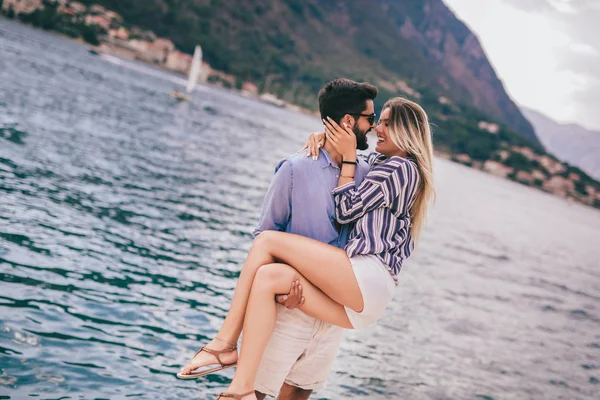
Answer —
292 47
569 142
446 41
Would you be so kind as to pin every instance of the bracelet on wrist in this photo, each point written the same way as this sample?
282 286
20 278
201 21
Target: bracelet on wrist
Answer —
348 176
349 162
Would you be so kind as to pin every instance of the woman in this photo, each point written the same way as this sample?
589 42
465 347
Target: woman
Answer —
348 288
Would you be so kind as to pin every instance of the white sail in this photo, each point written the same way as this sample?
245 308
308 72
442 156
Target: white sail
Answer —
194 70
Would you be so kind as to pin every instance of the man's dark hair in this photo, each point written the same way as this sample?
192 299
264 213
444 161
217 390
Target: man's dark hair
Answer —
343 96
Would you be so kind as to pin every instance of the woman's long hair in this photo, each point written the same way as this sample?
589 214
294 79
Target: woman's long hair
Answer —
409 129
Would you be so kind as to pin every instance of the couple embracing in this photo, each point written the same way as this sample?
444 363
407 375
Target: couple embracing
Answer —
334 232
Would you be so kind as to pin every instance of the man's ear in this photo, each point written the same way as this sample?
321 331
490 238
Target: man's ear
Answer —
348 120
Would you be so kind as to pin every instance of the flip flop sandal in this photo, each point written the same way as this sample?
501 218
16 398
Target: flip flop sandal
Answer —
235 396
217 354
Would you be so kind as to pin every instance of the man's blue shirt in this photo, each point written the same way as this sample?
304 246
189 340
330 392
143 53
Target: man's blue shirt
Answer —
299 198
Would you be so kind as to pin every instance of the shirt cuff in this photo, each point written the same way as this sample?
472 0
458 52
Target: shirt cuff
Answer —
344 188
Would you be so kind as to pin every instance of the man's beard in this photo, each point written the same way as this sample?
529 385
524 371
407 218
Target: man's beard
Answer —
361 138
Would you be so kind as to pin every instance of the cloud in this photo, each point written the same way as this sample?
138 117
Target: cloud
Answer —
577 17
583 26
554 6
580 58
547 52
586 49
586 113
531 5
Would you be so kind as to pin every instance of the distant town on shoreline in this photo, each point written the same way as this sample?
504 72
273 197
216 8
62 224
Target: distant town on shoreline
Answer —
107 32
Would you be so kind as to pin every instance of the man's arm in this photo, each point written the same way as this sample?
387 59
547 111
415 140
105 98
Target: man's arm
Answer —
277 204
275 216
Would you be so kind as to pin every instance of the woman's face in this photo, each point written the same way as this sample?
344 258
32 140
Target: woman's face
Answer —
385 145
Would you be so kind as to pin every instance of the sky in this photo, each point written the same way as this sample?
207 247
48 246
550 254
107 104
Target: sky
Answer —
546 52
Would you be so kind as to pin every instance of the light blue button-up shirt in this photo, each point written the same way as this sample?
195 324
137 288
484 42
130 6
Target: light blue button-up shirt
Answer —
299 198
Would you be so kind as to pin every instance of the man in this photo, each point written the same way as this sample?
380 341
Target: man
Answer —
302 349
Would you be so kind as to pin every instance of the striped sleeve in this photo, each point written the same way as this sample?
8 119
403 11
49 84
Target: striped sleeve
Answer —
382 185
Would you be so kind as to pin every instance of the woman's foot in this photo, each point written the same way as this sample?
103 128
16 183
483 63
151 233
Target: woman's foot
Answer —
226 355
237 394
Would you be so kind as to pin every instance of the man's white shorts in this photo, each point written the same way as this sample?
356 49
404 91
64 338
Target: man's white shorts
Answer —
300 352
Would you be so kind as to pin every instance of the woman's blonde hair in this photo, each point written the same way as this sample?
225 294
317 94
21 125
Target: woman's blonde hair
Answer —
409 129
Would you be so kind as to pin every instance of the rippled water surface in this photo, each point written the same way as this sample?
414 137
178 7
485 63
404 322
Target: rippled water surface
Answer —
125 216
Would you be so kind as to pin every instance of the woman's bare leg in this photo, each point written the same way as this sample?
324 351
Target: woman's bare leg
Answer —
261 314
326 266
232 326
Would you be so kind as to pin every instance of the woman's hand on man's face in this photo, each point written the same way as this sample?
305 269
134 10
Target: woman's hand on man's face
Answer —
343 140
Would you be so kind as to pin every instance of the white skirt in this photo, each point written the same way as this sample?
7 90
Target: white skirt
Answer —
377 287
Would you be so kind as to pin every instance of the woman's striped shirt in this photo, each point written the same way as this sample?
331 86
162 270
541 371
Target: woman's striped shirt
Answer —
380 206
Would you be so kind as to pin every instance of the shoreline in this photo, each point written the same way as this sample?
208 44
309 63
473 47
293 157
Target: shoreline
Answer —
554 183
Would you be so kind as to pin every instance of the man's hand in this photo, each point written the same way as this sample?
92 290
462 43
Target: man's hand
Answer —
293 299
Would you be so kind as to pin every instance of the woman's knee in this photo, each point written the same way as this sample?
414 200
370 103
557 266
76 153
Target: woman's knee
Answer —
265 239
274 276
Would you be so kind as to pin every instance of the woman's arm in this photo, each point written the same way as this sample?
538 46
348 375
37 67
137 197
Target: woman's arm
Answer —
315 141
344 142
381 186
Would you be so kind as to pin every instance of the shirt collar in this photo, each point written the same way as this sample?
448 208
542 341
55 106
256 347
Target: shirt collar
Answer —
327 161
376 158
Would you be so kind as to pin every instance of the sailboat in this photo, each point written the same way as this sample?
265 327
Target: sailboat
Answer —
192 77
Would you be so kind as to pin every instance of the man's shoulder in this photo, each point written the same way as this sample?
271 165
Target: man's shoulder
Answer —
301 160
362 163
294 162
